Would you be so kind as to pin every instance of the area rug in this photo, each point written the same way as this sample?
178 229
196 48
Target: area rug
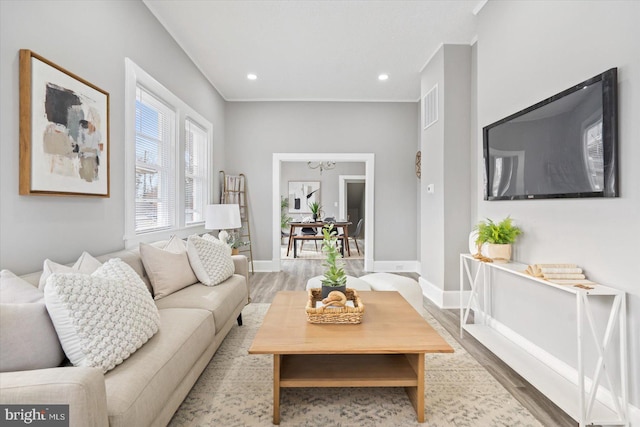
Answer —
236 390
309 251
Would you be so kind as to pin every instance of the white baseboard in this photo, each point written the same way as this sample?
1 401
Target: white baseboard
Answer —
441 298
265 266
395 266
561 368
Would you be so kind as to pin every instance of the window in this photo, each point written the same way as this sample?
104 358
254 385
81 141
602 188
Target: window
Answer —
155 189
195 178
167 159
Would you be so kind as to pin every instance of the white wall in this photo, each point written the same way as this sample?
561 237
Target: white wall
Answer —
256 130
528 51
90 39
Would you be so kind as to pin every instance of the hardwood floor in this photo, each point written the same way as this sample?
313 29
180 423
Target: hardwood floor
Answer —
294 276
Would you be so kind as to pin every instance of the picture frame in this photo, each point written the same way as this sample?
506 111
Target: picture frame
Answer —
64 132
301 194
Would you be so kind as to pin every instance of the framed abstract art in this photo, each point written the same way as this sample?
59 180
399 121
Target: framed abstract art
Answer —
302 194
64 131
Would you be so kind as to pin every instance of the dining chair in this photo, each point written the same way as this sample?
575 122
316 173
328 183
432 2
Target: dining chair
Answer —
356 234
309 231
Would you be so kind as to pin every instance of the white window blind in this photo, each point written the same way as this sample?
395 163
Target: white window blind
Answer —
195 171
155 165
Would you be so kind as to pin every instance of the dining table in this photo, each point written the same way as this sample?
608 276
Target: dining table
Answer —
343 225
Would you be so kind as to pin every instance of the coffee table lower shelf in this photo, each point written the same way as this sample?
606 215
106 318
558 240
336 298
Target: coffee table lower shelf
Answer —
350 370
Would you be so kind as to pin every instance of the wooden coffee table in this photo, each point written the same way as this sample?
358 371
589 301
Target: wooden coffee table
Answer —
386 350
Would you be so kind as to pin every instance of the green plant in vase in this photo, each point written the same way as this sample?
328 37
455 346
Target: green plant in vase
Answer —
335 279
499 238
315 210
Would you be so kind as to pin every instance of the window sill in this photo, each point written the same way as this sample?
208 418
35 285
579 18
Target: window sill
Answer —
154 236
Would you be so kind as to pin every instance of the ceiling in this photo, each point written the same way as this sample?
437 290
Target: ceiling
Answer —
315 50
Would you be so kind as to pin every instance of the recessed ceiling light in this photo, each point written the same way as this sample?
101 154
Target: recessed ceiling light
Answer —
251 76
383 77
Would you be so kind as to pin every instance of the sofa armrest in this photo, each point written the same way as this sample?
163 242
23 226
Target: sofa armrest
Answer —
81 388
242 267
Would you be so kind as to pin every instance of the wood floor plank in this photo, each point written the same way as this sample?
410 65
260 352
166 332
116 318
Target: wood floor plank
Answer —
294 276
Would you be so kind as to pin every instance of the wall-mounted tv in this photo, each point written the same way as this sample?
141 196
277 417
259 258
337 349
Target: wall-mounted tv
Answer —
564 146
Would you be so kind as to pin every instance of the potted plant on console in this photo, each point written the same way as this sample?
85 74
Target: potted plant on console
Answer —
499 237
335 279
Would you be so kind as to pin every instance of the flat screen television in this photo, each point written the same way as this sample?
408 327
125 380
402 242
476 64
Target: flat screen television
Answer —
564 146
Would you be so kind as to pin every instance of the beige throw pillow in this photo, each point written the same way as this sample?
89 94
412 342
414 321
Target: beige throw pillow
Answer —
27 338
210 259
14 289
168 268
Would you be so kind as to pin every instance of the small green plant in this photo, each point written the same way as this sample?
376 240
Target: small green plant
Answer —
501 233
335 275
284 218
315 208
236 242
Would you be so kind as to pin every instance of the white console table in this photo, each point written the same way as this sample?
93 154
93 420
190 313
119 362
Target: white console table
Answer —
576 399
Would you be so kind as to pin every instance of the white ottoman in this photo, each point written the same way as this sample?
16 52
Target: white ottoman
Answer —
408 288
352 282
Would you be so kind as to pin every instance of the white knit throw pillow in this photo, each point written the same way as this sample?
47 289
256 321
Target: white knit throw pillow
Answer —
102 318
210 259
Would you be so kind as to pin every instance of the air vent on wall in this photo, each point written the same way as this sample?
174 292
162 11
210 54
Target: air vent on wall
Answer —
430 107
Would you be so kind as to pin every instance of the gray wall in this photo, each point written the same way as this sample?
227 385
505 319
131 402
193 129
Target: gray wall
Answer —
431 205
445 213
528 51
90 39
256 130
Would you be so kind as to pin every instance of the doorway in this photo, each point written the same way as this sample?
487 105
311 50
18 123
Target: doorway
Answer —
366 158
352 199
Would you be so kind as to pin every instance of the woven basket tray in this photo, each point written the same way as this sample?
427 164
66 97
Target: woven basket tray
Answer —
334 315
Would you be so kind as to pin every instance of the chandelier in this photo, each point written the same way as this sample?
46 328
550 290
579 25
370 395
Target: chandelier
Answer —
321 165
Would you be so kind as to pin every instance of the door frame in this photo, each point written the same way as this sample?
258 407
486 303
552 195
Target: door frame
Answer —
369 161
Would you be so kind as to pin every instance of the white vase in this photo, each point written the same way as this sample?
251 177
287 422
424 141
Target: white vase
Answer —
499 253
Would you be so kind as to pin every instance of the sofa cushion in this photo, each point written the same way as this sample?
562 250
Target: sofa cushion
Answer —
168 267
13 289
220 300
210 259
85 264
103 318
138 389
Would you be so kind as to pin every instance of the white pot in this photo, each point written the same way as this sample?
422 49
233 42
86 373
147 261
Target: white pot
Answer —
498 253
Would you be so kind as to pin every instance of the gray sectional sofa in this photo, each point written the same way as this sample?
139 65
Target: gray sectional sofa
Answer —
148 387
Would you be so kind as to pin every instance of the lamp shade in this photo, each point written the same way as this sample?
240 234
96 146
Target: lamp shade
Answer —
222 217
